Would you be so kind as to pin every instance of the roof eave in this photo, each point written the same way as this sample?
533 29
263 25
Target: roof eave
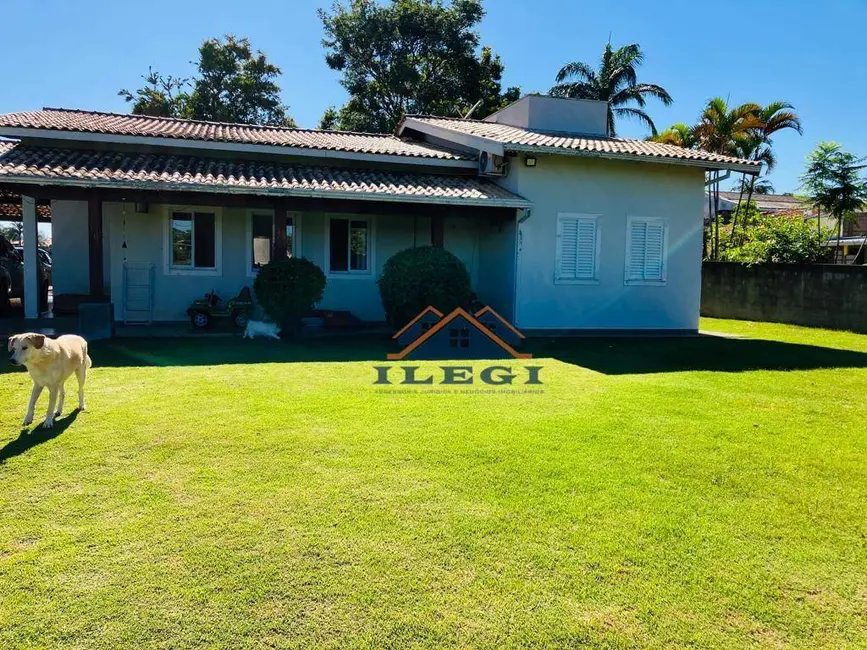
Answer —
704 164
516 203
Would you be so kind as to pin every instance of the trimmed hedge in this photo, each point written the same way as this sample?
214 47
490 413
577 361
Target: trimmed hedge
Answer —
417 277
288 289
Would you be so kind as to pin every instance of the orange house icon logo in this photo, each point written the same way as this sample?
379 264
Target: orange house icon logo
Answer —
458 335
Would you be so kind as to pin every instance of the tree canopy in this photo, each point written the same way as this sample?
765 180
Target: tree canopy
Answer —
615 81
410 56
234 84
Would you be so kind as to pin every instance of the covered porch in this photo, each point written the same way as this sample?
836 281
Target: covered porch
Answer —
188 243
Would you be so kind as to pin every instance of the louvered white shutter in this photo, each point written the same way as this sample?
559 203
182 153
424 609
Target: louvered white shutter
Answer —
635 258
577 240
654 252
646 250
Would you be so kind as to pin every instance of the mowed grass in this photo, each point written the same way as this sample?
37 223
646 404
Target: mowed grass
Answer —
693 493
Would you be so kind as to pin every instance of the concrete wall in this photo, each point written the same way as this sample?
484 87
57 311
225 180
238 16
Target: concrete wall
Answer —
545 113
147 239
613 190
821 295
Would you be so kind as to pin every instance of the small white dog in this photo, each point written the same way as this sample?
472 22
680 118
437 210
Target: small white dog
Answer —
50 363
261 328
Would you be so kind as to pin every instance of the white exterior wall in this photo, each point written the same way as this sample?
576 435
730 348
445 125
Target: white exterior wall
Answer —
70 248
70 253
147 242
614 190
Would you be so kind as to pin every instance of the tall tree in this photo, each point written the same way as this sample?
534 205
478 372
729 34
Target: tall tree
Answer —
161 96
615 81
679 135
233 84
833 183
410 56
757 144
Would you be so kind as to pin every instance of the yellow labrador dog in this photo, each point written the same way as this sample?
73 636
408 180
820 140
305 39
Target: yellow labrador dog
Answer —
50 363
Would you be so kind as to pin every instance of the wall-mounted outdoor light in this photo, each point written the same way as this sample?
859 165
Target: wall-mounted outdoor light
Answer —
530 161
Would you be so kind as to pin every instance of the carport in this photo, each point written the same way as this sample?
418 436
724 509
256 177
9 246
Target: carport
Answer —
30 212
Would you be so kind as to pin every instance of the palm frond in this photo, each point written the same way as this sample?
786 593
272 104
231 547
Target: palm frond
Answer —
576 70
636 114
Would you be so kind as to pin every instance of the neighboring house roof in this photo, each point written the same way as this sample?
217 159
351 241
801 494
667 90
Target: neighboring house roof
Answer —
519 139
132 170
117 124
769 202
10 202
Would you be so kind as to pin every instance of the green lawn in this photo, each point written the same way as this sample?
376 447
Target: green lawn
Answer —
700 493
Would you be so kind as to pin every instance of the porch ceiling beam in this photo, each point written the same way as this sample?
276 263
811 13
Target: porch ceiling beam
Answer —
294 203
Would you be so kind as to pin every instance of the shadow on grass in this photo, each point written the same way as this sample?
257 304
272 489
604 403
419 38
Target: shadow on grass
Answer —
621 356
36 435
611 356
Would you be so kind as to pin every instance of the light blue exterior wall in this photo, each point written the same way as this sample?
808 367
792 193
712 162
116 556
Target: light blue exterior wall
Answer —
614 190
146 237
512 266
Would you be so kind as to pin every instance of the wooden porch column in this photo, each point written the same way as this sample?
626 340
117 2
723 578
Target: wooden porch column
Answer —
31 260
94 230
437 230
280 217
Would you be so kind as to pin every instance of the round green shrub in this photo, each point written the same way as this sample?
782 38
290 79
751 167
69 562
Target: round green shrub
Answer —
288 289
417 277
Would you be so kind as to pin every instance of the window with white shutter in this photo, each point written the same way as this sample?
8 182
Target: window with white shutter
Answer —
646 250
577 248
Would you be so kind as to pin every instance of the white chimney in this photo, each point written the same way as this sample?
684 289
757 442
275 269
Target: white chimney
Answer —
543 113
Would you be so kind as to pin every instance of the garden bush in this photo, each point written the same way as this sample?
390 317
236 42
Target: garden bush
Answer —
781 238
417 277
288 289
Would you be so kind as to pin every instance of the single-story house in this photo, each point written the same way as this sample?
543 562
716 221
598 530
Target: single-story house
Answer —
561 227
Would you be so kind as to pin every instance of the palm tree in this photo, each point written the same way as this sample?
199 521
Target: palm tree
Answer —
615 82
722 129
679 135
725 130
776 116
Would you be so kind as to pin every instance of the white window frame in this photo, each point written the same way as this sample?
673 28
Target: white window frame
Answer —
577 216
627 281
168 267
248 237
371 247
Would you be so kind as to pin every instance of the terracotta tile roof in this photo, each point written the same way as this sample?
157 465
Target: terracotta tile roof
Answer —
61 119
182 172
10 202
515 138
770 202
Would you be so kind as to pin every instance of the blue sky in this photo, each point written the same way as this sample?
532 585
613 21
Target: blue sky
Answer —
78 54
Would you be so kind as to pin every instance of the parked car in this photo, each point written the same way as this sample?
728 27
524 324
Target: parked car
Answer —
12 277
44 257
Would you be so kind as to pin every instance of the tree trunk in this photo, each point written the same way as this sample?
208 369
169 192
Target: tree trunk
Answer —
839 248
716 216
737 209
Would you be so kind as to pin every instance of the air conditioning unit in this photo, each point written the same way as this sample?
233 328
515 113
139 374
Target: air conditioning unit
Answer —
492 164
